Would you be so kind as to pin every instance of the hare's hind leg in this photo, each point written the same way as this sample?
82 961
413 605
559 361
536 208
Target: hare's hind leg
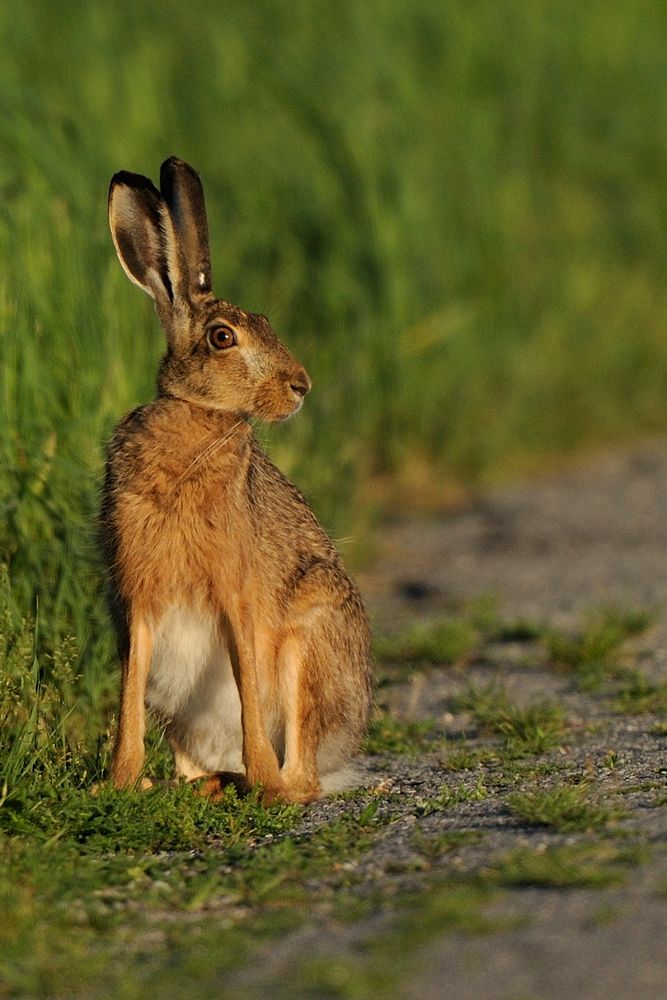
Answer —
129 752
303 723
324 672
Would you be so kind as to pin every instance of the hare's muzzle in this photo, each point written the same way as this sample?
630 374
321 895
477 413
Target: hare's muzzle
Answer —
300 383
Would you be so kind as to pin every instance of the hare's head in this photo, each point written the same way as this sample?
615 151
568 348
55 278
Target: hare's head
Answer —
218 356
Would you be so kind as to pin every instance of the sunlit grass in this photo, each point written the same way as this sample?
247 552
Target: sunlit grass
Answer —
590 864
440 642
565 808
595 653
525 729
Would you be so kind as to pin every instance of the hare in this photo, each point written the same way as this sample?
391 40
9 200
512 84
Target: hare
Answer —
237 623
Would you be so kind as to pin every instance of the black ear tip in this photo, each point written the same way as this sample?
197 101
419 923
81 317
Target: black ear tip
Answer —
173 161
174 166
120 179
135 181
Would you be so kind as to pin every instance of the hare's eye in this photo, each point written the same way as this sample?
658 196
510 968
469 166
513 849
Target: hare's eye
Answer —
219 337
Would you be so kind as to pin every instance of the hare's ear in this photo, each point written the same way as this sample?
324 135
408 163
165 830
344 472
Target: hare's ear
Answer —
182 190
135 221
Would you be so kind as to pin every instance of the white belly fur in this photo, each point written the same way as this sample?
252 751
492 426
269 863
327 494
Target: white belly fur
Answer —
191 686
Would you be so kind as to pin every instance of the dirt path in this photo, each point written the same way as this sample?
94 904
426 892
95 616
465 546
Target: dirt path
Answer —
594 535
548 551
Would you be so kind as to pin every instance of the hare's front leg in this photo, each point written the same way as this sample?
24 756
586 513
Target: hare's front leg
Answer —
259 757
128 757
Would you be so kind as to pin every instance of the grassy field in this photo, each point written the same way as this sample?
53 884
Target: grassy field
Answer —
456 219
453 213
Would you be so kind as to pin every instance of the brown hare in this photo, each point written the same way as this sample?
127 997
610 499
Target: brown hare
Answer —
237 624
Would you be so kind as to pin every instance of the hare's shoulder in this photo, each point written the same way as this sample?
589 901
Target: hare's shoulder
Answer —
292 539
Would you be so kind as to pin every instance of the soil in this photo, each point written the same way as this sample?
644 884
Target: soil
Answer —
551 551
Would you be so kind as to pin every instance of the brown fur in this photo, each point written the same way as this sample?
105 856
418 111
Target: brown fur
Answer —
199 523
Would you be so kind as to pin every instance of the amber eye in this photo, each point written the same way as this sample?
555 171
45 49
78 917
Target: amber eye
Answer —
220 337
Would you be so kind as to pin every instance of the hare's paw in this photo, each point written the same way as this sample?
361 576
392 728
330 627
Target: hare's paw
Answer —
146 784
302 796
126 771
213 787
299 789
274 792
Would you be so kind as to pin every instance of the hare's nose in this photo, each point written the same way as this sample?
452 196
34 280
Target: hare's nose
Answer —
300 383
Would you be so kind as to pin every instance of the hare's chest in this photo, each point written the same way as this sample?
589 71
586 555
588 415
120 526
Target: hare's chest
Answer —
190 657
191 686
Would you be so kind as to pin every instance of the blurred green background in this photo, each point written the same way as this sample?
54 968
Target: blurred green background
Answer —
453 212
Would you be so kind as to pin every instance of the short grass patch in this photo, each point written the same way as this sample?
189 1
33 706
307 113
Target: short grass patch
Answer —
388 734
467 759
638 696
594 654
525 730
564 808
448 797
244 886
435 846
451 796
494 627
588 864
448 641
378 966
516 630
162 819
454 640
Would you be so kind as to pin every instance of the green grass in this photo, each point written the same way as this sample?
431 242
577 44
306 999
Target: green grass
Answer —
448 641
532 729
380 965
163 819
565 808
391 735
467 760
638 696
452 640
594 655
435 846
448 797
102 899
587 864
